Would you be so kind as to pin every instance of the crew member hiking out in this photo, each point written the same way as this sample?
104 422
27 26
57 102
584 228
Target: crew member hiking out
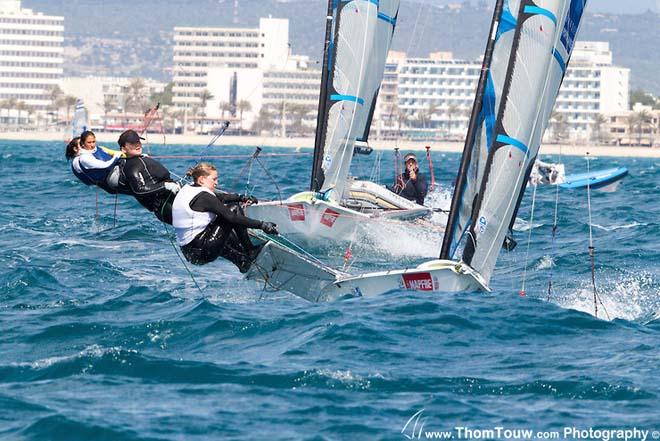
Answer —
206 228
145 178
94 165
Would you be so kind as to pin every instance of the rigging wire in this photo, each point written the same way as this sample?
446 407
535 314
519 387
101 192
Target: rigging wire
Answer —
529 240
430 162
555 224
592 249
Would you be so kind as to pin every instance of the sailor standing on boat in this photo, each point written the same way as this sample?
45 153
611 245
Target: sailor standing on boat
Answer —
145 178
411 184
94 165
206 228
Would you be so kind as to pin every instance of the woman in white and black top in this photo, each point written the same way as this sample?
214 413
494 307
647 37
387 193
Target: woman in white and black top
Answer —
206 228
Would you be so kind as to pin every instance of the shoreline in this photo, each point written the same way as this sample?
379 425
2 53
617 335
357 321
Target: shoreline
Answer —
250 141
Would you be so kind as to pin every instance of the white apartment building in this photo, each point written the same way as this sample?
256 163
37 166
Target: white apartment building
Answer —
434 96
228 62
31 54
593 86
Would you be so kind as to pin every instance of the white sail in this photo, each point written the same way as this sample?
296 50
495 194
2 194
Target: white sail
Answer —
345 103
477 146
79 122
388 11
534 73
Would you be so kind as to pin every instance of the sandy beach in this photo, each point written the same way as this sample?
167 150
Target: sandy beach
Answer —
110 139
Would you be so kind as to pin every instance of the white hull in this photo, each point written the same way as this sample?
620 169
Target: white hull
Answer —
431 277
306 218
282 268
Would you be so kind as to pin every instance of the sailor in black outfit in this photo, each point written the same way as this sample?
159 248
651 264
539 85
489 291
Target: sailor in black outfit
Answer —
206 228
411 184
146 179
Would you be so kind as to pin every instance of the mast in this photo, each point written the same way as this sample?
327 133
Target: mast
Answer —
321 119
459 184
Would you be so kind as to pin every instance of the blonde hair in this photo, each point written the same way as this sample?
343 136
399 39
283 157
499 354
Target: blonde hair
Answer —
200 170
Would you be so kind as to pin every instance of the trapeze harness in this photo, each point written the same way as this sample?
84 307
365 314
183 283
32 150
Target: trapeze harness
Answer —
204 235
146 177
98 168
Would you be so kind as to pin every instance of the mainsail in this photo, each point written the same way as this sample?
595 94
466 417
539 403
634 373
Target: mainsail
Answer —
531 46
79 122
358 37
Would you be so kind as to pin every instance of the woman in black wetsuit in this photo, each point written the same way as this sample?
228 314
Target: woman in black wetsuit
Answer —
206 228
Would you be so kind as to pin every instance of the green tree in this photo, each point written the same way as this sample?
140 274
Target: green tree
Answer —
243 106
165 98
597 127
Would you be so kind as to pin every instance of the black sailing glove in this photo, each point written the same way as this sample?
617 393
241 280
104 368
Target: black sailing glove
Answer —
249 199
269 228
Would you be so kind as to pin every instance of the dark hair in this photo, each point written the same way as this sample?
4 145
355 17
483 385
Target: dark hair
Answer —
201 169
72 148
86 134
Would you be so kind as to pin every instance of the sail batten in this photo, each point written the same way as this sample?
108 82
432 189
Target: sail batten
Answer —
358 37
535 69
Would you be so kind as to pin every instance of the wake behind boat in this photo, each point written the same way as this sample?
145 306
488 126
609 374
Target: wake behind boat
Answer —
358 38
526 57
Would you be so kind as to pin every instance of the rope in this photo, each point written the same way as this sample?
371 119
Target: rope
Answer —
277 187
169 237
529 240
226 156
554 232
428 158
592 250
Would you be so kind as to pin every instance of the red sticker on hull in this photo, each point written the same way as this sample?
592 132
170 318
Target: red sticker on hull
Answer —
329 217
418 282
296 212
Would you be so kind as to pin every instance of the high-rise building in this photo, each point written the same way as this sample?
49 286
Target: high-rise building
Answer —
210 58
31 54
433 96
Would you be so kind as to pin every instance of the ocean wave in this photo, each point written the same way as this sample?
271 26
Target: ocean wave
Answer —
620 227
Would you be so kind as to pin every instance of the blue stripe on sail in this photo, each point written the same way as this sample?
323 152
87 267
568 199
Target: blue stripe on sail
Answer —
375 2
351 98
514 142
559 59
489 100
507 21
387 18
572 24
540 11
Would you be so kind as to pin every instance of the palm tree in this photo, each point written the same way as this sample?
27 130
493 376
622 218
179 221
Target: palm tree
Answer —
598 123
559 125
20 107
452 110
204 98
108 104
264 121
643 119
243 106
69 101
137 95
224 107
55 95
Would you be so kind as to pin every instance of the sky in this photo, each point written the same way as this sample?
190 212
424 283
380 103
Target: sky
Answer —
615 6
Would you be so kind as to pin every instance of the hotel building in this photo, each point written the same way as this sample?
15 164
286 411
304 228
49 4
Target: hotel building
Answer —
31 54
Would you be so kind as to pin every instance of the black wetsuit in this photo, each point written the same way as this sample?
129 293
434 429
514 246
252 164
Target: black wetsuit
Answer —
412 190
145 179
226 236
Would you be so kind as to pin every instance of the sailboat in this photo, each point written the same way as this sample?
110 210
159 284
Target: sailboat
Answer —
358 37
528 51
79 123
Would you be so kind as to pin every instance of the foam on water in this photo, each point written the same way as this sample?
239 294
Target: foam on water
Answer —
103 335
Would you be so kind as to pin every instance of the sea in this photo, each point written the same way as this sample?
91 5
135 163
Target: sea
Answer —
105 334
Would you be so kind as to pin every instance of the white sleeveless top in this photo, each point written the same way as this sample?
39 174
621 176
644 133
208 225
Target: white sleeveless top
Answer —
187 222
